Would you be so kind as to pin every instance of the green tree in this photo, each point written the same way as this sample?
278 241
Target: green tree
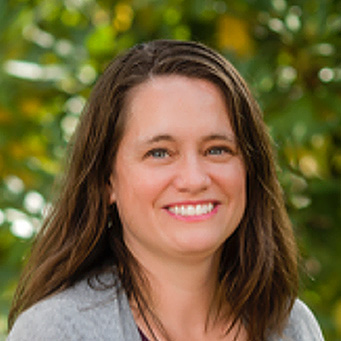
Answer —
52 52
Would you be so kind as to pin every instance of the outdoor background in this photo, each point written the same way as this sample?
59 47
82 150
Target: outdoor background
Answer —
52 51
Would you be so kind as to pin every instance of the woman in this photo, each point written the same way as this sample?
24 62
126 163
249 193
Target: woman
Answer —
171 223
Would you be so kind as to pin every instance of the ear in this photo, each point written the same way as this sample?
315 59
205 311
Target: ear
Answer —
111 190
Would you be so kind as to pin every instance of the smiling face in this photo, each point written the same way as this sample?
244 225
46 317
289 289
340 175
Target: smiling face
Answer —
179 181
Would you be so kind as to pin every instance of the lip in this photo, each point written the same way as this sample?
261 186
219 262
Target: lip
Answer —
194 218
193 202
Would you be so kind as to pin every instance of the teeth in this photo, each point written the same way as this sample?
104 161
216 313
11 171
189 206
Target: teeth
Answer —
199 210
191 210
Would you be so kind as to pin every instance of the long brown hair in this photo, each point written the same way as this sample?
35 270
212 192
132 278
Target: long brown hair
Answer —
258 268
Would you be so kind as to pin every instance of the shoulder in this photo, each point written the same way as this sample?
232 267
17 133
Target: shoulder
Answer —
81 312
302 324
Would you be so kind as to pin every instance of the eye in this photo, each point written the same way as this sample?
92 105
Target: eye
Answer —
158 153
218 150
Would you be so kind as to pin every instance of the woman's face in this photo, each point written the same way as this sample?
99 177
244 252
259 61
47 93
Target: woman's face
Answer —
179 180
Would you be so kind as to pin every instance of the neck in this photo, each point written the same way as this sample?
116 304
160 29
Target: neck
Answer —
183 295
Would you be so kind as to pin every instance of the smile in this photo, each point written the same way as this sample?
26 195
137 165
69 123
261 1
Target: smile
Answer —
191 210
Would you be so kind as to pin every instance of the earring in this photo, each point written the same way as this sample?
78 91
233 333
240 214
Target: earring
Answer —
109 221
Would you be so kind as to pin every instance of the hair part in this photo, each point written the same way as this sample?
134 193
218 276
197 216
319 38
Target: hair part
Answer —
258 268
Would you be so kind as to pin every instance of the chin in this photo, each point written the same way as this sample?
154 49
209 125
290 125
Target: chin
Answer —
199 245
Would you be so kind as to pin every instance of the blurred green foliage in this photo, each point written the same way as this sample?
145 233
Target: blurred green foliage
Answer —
52 51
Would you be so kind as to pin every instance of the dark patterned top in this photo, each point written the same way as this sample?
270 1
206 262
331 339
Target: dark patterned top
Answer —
143 337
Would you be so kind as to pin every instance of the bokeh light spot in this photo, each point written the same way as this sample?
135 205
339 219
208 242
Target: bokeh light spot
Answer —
34 202
22 228
14 184
326 75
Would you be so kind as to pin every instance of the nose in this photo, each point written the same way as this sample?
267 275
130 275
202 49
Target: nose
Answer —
191 176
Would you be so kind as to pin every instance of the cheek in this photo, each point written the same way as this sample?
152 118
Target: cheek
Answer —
232 178
141 185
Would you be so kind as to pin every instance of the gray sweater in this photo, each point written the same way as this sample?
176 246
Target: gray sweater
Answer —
85 312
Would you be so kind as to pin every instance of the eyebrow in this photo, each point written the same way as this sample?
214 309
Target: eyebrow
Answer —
158 138
224 137
166 137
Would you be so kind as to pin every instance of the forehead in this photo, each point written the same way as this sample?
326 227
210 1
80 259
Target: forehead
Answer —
165 82
173 103
172 89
